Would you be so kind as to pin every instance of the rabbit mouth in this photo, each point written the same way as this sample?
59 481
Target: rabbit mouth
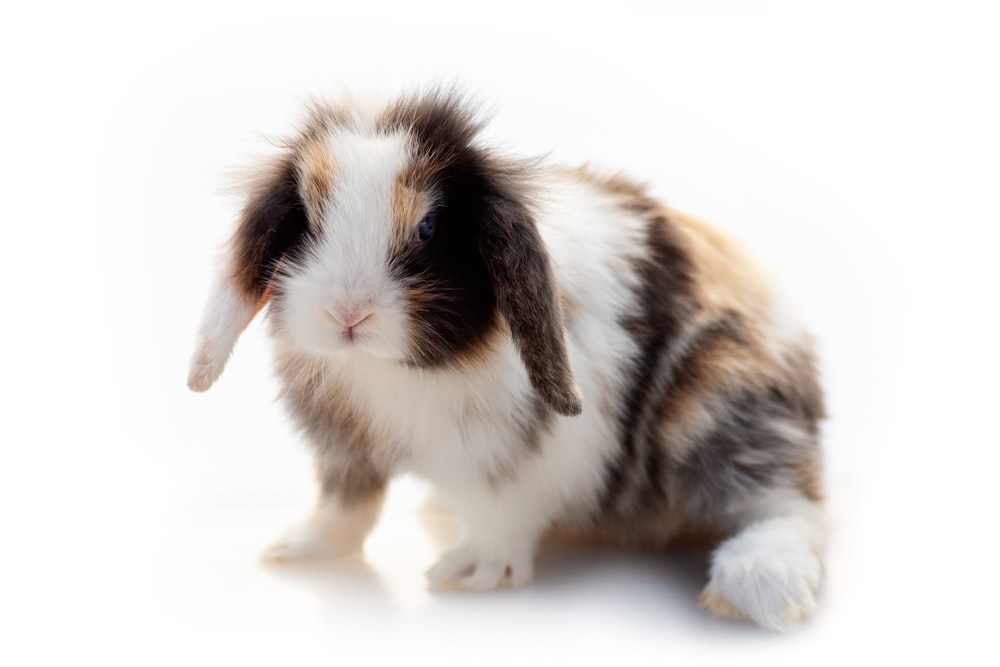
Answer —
352 328
351 335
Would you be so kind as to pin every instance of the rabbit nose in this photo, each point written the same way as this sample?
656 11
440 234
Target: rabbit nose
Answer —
349 315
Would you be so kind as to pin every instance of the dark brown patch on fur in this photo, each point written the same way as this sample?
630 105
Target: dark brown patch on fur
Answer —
444 329
743 421
443 124
450 296
486 256
761 435
627 193
665 302
716 358
273 226
518 262
746 451
641 484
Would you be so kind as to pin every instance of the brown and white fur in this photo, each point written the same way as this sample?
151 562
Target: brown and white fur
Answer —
551 348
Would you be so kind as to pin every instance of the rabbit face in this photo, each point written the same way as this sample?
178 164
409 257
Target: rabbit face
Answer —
357 283
393 234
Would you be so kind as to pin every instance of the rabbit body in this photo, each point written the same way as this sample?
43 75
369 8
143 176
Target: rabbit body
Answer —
551 348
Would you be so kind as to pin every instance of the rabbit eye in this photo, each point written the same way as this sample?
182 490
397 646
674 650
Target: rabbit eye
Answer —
426 228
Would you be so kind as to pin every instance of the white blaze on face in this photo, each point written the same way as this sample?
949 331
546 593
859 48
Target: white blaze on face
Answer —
344 296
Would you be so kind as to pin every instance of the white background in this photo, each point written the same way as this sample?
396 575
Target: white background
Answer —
855 151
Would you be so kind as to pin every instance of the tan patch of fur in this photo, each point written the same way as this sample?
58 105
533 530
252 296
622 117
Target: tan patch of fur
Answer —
409 205
412 198
712 366
726 363
317 172
724 281
810 475
720 606
420 172
724 278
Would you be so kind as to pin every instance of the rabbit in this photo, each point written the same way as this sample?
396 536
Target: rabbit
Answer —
550 347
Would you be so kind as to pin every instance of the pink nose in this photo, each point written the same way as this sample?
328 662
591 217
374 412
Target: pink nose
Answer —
349 317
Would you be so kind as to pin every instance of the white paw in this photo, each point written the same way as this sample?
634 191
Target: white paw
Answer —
468 568
307 543
205 369
768 574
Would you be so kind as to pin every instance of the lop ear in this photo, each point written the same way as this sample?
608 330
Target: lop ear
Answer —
272 224
518 263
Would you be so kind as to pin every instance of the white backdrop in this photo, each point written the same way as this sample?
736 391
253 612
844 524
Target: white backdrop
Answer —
856 151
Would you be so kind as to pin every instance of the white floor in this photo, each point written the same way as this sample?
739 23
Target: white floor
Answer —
155 563
855 153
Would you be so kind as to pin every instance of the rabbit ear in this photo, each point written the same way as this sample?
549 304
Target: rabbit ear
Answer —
272 225
227 314
518 263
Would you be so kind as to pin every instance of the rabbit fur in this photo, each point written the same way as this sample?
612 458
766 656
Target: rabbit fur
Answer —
552 348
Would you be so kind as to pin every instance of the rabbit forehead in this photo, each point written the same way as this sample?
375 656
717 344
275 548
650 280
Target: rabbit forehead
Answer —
354 178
